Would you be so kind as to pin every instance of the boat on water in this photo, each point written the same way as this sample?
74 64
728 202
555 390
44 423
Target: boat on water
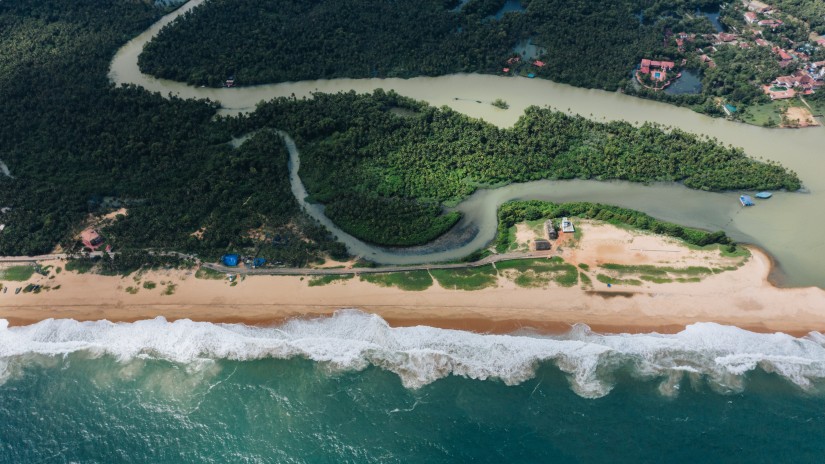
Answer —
763 195
746 200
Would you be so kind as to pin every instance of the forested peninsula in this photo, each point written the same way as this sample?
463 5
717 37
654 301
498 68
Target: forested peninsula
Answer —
382 163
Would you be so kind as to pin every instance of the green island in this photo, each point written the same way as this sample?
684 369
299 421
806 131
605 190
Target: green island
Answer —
729 52
393 172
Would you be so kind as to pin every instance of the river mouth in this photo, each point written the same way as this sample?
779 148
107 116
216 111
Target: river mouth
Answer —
788 225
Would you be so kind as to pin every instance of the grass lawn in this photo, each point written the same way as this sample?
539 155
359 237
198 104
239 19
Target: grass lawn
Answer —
466 279
760 114
17 273
414 281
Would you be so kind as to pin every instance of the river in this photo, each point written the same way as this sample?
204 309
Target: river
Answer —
775 224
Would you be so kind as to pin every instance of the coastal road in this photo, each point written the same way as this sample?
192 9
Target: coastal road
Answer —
492 259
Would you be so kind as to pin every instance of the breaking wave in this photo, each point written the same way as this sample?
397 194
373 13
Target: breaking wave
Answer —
351 340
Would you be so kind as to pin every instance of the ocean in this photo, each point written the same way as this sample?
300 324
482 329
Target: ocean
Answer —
351 389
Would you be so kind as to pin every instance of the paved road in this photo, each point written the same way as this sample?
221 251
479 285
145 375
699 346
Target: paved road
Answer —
376 270
94 254
310 271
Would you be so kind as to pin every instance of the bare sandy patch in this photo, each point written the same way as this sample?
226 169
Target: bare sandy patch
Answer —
524 235
797 116
607 244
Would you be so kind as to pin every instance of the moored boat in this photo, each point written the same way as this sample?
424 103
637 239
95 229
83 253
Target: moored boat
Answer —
764 195
746 200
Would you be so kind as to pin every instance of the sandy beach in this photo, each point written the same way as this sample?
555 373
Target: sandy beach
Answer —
742 297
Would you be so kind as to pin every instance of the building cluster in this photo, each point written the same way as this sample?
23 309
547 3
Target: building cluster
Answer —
551 233
804 81
657 71
808 76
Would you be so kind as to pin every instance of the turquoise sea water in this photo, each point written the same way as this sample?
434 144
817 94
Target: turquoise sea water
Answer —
350 389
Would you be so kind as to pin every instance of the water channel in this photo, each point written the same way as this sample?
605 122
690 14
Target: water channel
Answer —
790 225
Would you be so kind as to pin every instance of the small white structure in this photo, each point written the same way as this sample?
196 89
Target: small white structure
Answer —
567 226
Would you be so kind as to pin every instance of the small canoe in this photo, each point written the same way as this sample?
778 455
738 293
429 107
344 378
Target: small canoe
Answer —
764 195
746 200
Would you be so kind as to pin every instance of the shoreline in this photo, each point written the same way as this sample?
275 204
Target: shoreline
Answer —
742 297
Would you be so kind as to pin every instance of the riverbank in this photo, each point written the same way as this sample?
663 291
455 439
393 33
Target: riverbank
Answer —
742 297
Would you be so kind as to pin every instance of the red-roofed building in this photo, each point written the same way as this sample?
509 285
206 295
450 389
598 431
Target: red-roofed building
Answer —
751 18
800 80
708 60
784 57
772 23
539 63
505 70
91 239
784 81
762 42
656 69
724 37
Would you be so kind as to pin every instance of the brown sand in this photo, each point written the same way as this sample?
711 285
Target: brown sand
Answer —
800 117
742 297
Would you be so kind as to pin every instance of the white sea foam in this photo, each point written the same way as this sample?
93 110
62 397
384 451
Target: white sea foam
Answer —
353 340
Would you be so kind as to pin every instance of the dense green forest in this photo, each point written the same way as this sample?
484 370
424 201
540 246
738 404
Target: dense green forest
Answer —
78 148
588 43
810 11
383 160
